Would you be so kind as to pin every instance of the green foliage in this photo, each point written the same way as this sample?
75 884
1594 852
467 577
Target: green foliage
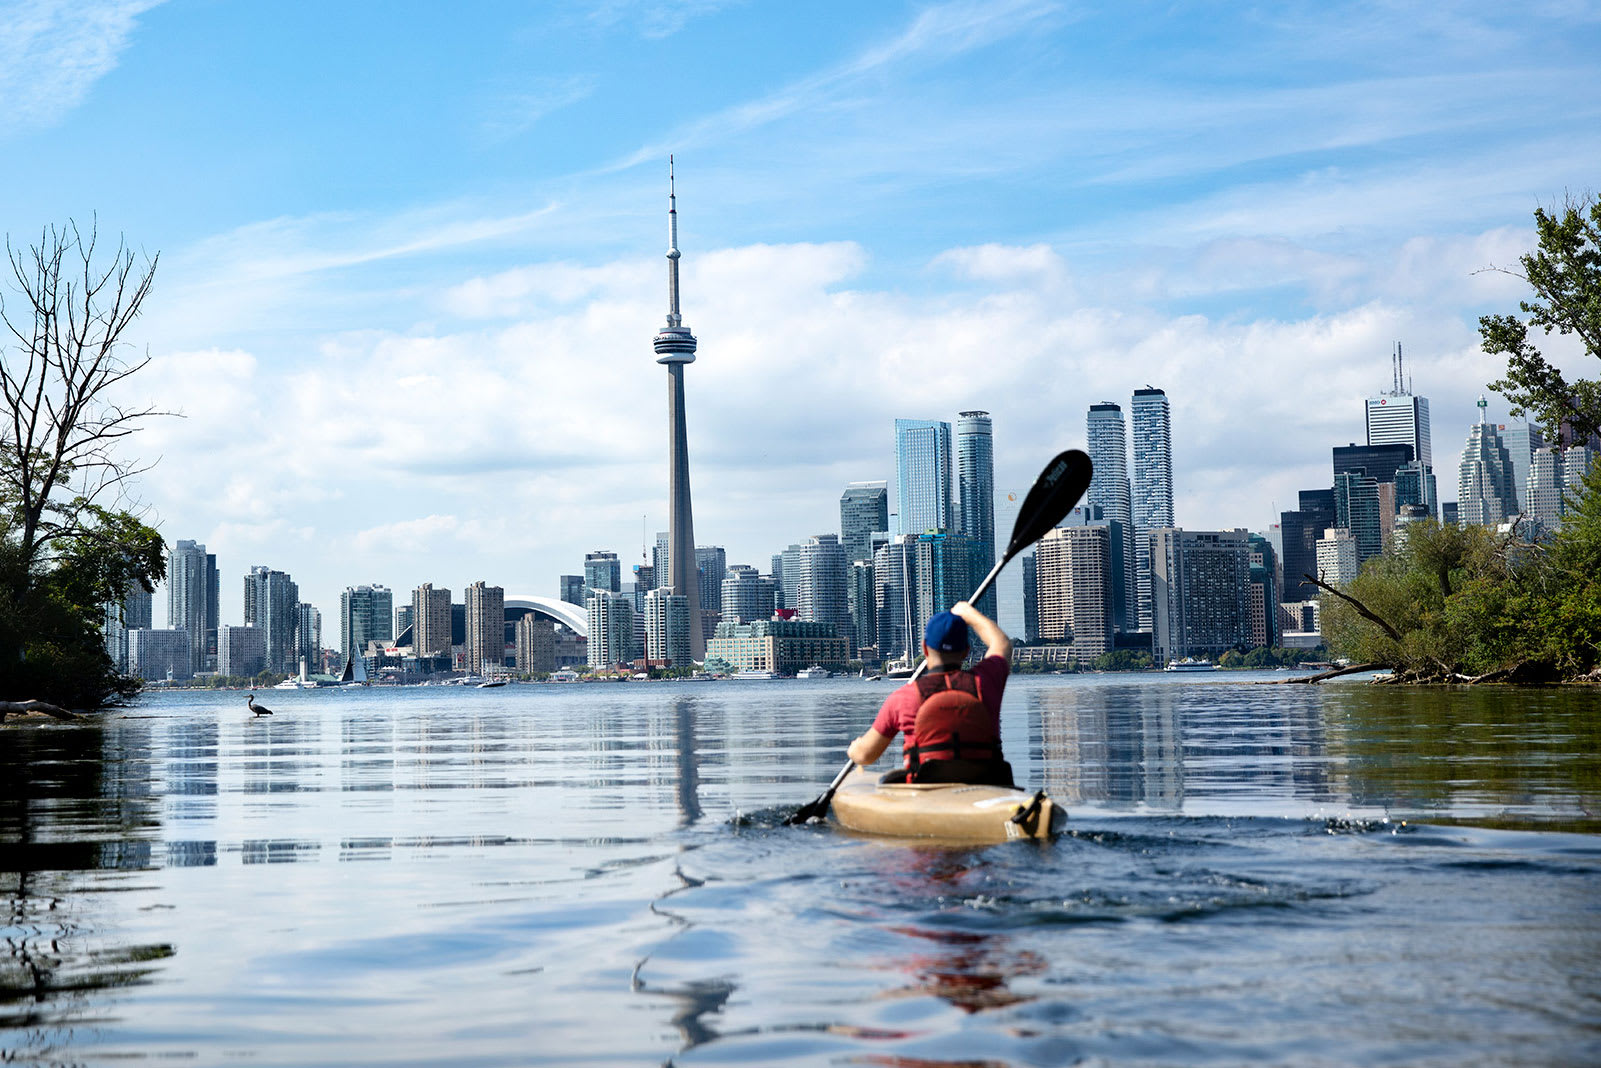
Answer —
1469 601
1122 660
51 613
1565 274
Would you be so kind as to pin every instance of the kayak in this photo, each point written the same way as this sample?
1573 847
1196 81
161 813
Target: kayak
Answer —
943 810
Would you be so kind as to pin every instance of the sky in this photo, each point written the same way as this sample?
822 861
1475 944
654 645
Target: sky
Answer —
411 254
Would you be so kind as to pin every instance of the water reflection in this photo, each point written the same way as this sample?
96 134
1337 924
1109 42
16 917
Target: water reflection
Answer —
688 785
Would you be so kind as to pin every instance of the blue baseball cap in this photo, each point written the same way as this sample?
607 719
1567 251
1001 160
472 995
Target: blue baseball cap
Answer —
946 632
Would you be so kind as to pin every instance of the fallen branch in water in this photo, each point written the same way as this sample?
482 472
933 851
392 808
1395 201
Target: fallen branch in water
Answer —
22 708
1320 676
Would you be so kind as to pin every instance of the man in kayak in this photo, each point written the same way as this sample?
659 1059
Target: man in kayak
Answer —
950 718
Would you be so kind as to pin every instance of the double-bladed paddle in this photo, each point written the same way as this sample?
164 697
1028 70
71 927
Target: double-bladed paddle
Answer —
1052 496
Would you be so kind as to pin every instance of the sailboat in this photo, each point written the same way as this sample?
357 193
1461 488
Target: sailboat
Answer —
355 673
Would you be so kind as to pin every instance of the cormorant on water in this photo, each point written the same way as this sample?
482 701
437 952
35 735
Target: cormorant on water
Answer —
260 710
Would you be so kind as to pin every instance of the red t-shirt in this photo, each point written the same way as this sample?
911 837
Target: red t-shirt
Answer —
898 714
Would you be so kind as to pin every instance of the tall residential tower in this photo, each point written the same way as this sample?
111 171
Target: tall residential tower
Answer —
1153 485
675 347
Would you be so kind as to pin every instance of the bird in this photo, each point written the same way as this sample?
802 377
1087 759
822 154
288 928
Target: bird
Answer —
260 710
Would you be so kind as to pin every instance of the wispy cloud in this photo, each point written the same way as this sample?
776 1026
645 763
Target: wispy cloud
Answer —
935 35
517 112
654 18
53 51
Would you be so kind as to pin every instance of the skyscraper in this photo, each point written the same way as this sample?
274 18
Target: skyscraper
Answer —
308 637
1484 490
891 603
747 595
675 347
863 509
821 595
975 494
1072 565
366 614
602 571
430 622
611 628
486 627
1399 417
272 604
1109 490
1200 590
1153 485
667 627
572 589
189 597
922 475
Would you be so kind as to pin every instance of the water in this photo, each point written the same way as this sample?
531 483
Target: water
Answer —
599 874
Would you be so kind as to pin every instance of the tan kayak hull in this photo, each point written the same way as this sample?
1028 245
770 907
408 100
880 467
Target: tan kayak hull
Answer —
940 810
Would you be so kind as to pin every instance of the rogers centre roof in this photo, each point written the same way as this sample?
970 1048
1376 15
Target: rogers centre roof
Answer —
571 616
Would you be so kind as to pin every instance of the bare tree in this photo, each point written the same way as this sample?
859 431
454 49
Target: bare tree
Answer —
58 380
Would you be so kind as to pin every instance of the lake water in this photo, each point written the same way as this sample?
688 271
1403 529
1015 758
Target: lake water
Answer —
599 875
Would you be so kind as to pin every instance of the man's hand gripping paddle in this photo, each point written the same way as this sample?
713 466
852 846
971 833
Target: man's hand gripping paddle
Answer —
1048 501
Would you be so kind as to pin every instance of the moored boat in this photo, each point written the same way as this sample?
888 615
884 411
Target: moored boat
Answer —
1190 664
954 811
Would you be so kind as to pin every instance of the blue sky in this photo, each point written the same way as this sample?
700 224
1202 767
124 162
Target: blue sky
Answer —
411 252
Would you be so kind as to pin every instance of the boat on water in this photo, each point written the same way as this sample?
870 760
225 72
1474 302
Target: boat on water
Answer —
490 684
564 675
816 671
1190 664
753 674
941 810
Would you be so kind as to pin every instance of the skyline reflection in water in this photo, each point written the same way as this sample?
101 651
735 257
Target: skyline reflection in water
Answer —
382 877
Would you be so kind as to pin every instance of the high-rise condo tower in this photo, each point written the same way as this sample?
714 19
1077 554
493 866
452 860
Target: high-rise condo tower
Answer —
1153 484
675 347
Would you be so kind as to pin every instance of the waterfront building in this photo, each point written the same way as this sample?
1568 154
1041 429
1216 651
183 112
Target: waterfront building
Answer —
659 557
863 602
892 609
133 612
1152 486
1031 597
923 475
863 509
1378 462
1338 559
711 566
1200 591
1300 531
1265 587
603 573
1522 439
1449 514
667 627
431 624
535 645
1072 572
1110 492
1360 507
675 347
644 578
160 654
782 646
190 594
486 628
821 595
975 494
611 629
308 637
241 651
272 604
1414 485
365 615
790 574
572 589
1400 417
746 595
1484 490
944 568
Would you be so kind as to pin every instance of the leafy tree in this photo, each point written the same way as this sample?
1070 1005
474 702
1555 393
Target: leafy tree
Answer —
67 543
1565 274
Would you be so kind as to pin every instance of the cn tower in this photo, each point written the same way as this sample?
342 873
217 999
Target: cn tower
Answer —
675 346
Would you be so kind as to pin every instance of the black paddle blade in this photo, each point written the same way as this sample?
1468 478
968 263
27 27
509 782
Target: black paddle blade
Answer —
1052 496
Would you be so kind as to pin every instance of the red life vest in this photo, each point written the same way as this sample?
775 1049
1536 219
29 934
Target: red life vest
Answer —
953 723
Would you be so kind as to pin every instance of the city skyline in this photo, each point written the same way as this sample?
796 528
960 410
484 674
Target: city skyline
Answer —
397 266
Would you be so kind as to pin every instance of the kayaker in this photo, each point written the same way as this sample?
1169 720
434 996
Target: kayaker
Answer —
950 718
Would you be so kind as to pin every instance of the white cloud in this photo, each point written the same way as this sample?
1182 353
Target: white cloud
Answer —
53 51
